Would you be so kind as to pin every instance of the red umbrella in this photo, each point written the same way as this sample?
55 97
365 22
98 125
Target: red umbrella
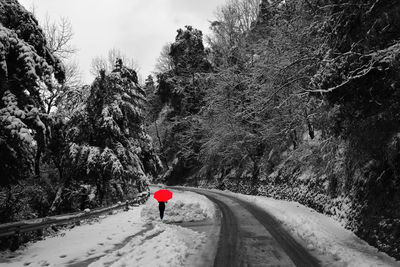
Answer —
163 195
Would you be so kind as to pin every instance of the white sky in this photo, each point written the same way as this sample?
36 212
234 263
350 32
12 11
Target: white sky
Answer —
139 28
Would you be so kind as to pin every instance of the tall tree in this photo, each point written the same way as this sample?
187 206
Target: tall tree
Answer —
27 64
234 20
180 94
107 145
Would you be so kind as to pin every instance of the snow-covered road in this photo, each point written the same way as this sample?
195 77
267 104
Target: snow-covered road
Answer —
242 231
250 237
133 238
321 237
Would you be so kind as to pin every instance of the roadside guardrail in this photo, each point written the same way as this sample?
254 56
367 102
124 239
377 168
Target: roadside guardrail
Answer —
16 228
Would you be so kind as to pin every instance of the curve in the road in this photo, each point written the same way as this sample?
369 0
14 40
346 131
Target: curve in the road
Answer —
228 252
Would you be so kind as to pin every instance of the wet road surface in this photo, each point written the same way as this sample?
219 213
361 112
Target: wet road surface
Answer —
249 236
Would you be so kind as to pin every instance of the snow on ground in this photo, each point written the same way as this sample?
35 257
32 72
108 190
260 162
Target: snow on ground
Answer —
164 245
321 233
80 242
183 207
124 238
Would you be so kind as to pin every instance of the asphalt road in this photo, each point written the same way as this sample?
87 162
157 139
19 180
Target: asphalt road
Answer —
249 236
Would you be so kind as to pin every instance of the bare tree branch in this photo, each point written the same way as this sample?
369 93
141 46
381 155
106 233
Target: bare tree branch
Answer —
59 36
108 63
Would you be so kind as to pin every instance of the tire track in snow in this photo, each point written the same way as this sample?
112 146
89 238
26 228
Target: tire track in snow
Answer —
228 245
229 253
297 253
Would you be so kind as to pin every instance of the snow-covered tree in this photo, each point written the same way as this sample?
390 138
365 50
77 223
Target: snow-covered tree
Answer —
107 144
188 53
26 65
179 97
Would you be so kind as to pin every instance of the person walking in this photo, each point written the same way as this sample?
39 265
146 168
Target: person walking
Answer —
161 207
162 196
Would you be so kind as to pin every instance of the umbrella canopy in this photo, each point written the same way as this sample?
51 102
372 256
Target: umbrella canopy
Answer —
163 195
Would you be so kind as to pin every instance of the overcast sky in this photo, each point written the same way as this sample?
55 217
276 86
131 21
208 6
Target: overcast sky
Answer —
139 28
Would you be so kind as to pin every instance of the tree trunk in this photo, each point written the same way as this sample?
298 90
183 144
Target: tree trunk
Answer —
310 129
37 160
100 193
105 192
309 126
57 200
158 134
256 172
294 139
160 144
255 175
239 175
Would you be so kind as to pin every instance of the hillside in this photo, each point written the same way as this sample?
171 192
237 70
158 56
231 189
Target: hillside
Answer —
302 107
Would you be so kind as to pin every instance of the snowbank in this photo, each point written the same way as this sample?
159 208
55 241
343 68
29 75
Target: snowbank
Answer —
321 233
183 207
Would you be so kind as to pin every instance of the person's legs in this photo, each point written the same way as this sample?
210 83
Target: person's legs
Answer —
161 207
162 212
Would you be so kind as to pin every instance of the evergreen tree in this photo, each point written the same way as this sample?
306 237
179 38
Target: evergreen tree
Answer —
26 64
181 92
107 145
